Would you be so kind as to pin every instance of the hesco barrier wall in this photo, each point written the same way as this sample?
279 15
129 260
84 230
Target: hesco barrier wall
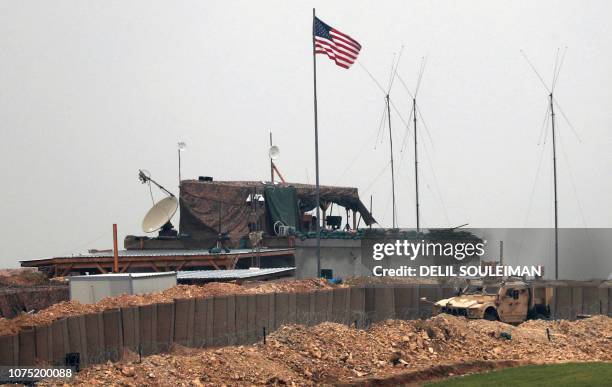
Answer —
241 319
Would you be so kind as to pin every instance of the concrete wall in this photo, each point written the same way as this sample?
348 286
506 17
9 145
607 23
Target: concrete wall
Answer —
342 256
521 247
353 258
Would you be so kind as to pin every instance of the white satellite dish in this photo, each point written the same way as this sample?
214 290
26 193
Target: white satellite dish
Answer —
160 214
274 152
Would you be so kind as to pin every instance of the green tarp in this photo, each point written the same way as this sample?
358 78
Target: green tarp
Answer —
282 204
207 204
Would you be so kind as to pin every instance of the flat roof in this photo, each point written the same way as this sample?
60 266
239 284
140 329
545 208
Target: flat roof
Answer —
113 276
230 274
161 253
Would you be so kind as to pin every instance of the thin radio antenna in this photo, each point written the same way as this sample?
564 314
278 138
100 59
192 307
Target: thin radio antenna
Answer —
381 123
556 76
415 112
551 89
382 89
567 121
390 83
542 136
420 77
535 71
394 70
412 96
551 108
391 79
554 72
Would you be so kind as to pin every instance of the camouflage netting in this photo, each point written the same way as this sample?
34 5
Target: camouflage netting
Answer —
207 206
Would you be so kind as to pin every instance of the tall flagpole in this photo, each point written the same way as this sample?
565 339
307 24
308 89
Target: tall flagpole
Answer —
316 128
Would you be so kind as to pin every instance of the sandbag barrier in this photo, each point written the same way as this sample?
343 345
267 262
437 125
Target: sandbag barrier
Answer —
241 319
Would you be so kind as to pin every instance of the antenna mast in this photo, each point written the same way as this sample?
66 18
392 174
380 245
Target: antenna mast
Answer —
416 162
391 79
552 121
556 71
416 154
391 146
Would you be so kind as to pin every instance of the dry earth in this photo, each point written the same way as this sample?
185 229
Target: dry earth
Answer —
331 354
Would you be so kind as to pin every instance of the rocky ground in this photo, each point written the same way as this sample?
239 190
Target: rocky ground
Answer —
333 353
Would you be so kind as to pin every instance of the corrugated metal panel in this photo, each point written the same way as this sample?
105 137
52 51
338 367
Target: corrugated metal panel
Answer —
144 275
227 274
162 253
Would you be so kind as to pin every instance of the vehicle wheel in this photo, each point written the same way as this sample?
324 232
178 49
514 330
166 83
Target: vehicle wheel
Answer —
491 315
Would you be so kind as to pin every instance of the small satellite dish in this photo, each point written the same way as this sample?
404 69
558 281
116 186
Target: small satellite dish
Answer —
160 214
274 152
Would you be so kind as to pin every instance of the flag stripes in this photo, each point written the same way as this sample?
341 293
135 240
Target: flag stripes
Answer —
338 46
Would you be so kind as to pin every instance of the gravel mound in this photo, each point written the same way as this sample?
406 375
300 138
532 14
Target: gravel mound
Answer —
332 353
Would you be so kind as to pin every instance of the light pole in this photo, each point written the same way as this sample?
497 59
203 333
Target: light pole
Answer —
181 148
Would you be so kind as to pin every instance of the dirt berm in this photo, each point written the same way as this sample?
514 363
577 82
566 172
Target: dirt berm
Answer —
394 350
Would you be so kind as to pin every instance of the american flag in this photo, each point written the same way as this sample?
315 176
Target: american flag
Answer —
338 46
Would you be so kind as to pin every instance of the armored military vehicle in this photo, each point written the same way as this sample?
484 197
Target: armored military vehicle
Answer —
512 301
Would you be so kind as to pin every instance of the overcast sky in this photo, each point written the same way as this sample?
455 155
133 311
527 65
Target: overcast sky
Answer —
91 91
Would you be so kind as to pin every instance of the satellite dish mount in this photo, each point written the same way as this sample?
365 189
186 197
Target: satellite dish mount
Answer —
158 217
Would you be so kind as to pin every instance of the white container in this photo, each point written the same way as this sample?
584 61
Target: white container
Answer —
89 289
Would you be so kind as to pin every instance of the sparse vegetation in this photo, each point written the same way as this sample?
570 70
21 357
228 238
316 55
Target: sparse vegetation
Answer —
557 375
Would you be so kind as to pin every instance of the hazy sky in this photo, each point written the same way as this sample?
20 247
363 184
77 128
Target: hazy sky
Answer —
91 91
